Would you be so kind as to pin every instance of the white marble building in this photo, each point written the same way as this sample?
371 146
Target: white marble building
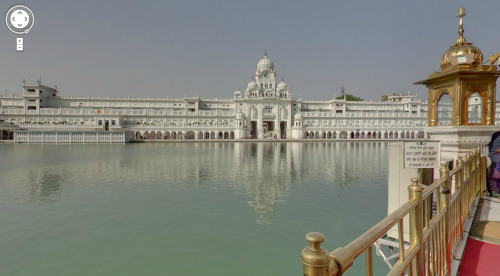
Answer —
266 109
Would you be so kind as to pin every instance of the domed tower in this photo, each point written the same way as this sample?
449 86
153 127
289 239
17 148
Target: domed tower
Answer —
252 89
282 90
237 94
463 92
462 98
265 77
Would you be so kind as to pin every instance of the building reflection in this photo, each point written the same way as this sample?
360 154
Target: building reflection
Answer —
264 172
44 185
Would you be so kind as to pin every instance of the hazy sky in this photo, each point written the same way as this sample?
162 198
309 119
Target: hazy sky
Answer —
211 48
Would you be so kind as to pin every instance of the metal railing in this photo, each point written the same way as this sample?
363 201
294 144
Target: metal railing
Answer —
434 234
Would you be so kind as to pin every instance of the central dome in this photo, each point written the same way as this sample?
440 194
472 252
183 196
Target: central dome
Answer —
265 64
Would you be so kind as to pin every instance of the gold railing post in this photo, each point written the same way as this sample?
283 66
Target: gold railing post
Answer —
444 201
369 261
474 173
475 177
315 259
466 188
459 182
481 177
484 176
416 227
478 172
467 165
459 178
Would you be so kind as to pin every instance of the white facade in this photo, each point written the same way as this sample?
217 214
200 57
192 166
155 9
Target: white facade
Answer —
264 110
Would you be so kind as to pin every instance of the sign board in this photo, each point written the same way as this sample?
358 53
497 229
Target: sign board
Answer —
424 154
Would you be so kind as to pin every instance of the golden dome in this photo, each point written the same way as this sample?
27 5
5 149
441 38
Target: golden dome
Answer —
462 52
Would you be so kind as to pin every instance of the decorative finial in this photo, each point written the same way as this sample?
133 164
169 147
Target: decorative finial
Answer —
24 81
265 52
281 78
460 14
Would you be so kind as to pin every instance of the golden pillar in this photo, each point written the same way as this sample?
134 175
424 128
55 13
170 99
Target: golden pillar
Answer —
416 227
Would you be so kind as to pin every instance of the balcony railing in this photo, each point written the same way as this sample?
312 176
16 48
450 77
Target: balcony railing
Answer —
433 237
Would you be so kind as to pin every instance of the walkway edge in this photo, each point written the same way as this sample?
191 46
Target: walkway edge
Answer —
460 249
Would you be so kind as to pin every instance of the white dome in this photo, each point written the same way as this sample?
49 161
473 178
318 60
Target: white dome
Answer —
298 116
265 64
252 85
282 86
237 93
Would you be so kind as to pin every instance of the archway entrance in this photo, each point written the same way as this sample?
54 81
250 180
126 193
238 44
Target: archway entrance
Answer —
6 135
253 129
283 130
268 128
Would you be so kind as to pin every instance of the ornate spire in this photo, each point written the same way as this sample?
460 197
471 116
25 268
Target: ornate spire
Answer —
461 39
265 52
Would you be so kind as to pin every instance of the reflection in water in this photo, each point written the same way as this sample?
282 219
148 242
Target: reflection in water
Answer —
262 171
44 185
126 209
267 176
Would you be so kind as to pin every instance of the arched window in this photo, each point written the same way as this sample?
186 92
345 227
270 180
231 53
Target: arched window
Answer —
444 110
474 109
253 113
284 112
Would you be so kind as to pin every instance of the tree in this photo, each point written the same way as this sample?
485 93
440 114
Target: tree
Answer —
350 97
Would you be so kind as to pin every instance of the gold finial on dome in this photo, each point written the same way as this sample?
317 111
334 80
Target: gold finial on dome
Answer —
265 52
462 52
460 14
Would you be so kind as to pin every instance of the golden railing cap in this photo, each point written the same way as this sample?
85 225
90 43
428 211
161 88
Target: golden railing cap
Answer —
314 255
315 238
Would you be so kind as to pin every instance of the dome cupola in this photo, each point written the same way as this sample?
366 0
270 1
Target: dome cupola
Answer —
462 52
282 86
265 64
252 85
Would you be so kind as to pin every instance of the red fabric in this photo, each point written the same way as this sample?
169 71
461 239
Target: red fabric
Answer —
480 258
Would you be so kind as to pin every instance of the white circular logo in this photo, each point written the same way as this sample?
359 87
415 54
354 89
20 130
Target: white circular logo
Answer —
19 19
